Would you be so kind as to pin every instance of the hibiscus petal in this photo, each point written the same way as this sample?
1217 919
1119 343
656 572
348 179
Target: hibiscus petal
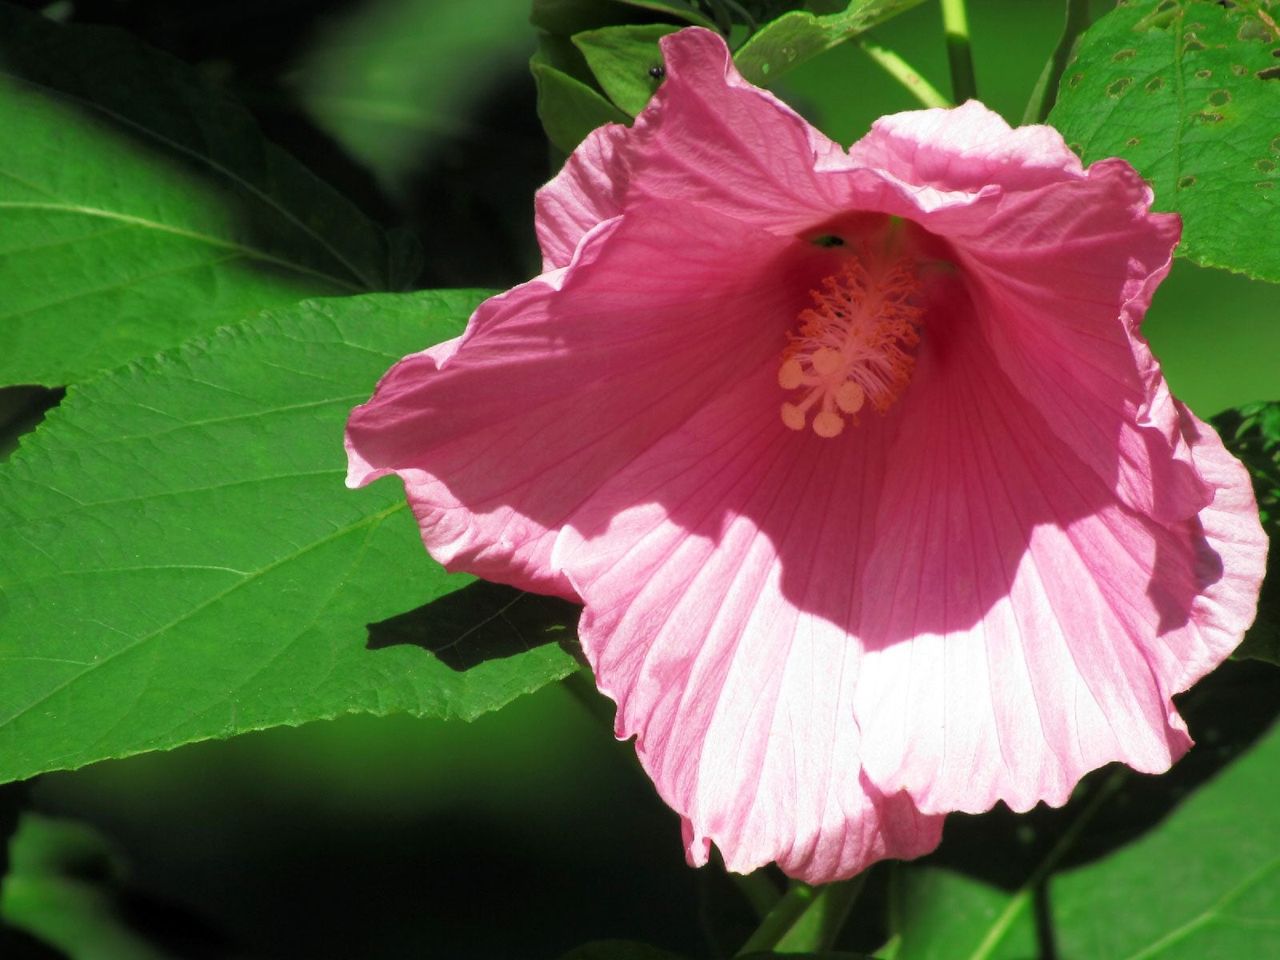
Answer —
589 189
559 383
967 148
1230 563
1063 277
707 138
717 570
1024 625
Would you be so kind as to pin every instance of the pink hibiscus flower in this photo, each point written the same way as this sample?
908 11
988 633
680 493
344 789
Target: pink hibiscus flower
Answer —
875 497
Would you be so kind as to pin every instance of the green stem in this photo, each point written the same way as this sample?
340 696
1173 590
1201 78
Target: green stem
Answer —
1045 93
780 919
807 919
759 890
955 22
1018 903
904 73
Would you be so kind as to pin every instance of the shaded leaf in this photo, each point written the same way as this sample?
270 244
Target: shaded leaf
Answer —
482 621
139 207
679 9
623 60
942 915
567 107
798 36
1188 91
21 410
1252 433
180 560
1213 867
62 891
567 17
393 80
1212 862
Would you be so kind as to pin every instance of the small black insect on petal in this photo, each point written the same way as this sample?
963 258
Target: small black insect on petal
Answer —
658 73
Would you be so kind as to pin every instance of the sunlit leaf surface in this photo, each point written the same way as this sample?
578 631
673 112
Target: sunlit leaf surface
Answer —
179 558
1188 91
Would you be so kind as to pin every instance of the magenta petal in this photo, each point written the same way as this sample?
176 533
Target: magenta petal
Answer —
1062 278
824 643
738 693
1023 624
561 382
708 138
965 149
588 190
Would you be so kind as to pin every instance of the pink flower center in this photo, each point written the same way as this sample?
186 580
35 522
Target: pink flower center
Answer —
853 346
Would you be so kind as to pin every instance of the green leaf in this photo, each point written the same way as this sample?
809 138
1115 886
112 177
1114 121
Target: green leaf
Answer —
62 890
798 36
180 560
1211 871
567 17
679 9
941 915
621 59
567 107
139 207
1199 884
1188 91
1252 433
394 80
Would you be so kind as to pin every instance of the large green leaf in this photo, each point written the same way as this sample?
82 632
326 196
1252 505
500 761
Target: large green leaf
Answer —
798 36
139 207
941 915
1188 91
1202 883
180 560
1205 884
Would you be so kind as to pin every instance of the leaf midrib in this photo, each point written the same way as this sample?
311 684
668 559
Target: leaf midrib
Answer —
203 605
240 249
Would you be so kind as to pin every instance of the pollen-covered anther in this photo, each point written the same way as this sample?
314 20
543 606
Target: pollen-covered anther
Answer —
853 347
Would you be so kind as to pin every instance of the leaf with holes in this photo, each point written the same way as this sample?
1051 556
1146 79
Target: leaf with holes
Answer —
1188 91
139 207
799 35
180 560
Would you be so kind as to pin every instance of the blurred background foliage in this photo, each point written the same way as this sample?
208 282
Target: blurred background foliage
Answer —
528 831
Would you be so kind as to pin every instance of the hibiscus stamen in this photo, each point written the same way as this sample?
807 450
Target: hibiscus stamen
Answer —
854 346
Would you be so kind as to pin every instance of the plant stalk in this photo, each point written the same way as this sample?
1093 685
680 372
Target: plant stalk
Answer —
904 73
1045 93
955 22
